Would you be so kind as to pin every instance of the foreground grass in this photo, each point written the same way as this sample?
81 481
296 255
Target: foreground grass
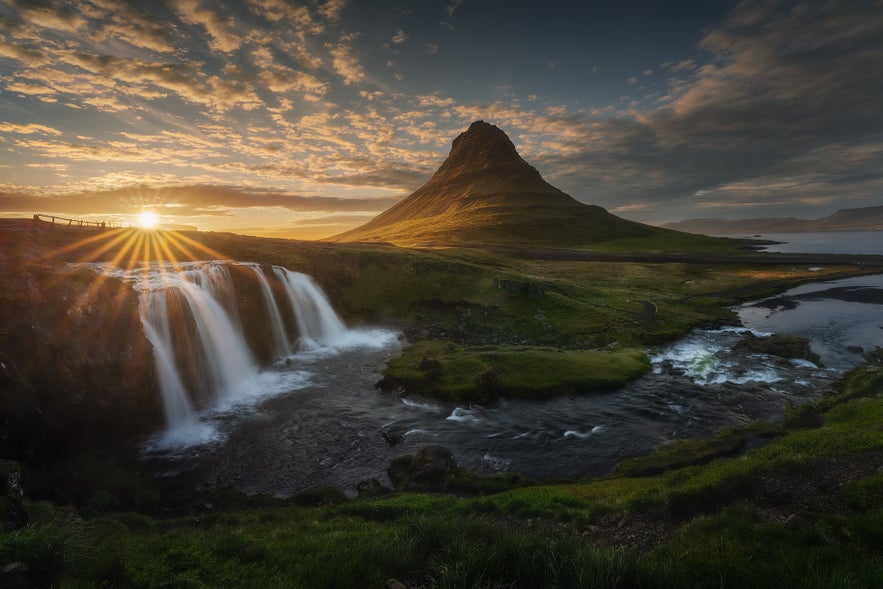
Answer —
803 510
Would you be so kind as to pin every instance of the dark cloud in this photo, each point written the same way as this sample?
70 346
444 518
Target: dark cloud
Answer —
788 105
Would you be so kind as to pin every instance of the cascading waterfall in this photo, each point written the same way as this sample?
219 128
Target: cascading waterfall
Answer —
155 319
216 353
318 323
282 346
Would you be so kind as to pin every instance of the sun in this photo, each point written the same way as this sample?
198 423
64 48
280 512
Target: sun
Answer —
147 220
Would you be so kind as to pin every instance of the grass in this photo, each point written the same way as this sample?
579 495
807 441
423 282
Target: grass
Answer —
580 322
480 374
568 535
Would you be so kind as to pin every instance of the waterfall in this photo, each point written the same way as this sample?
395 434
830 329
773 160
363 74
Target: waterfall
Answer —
282 346
155 319
318 323
190 312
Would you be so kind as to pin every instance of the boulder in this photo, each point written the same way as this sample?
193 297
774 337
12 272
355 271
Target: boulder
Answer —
432 469
371 488
784 346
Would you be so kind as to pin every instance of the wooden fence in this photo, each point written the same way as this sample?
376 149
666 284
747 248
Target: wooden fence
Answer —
66 223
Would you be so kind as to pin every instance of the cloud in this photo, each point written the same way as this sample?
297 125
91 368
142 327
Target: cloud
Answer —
50 15
452 7
186 201
787 106
331 9
400 37
28 129
219 26
346 64
129 22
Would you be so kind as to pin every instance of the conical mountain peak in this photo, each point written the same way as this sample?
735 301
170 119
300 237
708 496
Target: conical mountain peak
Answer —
486 194
484 148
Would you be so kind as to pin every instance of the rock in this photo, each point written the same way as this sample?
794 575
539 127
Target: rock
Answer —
432 469
391 435
430 365
856 349
395 584
784 346
14 575
794 521
371 488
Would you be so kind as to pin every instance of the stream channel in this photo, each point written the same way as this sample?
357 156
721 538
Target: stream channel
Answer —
320 419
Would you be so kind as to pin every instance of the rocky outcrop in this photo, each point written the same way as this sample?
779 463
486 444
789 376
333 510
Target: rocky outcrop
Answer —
784 346
432 469
75 367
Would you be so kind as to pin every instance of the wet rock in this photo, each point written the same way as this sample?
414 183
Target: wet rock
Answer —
784 346
395 584
856 349
371 488
391 435
432 469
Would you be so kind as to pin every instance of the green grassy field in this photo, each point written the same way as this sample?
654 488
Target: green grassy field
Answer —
797 505
773 516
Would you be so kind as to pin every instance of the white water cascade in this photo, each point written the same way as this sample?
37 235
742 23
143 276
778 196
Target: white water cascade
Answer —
318 323
192 319
282 346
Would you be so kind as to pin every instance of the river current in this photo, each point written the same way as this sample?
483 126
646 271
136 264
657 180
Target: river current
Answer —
326 427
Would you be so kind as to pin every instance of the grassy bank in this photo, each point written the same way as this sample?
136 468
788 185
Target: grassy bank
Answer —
456 373
804 509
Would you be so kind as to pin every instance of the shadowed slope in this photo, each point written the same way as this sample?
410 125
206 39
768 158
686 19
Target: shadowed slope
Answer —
485 193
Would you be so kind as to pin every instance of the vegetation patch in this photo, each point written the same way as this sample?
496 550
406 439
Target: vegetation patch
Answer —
482 373
782 345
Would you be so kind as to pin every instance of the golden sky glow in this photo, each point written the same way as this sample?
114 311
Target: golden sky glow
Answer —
304 119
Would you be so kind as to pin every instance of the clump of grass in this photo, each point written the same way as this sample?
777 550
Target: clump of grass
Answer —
480 374
729 441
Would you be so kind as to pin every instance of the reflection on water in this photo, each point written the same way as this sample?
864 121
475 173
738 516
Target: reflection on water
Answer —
837 317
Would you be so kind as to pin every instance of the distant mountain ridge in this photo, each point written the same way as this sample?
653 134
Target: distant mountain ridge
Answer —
860 219
485 193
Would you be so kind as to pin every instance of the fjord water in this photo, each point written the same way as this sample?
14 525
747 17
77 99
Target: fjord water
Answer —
838 317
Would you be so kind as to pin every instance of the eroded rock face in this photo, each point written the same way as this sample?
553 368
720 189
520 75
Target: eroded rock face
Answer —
75 367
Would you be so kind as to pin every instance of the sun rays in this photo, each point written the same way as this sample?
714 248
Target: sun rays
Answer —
127 249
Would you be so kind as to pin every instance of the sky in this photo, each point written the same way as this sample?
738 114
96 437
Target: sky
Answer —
305 119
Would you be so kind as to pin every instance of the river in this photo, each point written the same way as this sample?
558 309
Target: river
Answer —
326 428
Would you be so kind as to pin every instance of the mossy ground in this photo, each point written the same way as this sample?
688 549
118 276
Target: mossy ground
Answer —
802 510
483 373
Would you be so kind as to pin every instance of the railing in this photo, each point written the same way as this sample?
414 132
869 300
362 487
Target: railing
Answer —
67 223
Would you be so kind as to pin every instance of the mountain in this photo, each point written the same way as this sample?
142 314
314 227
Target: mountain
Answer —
861 219
485 193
